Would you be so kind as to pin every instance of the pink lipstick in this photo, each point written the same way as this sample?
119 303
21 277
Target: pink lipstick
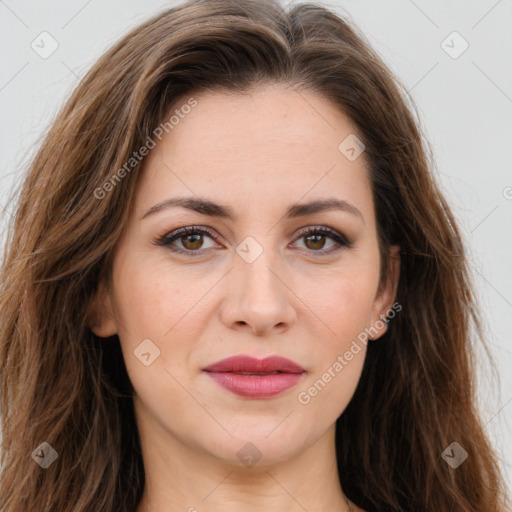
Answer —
255 378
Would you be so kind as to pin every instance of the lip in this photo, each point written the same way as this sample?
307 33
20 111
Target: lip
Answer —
250 377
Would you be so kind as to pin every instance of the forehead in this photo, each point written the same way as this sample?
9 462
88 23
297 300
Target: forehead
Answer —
270 144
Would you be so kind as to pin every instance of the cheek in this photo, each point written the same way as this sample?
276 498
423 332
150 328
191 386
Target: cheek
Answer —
150 306
345 302
158 319
340 356
351 307
153 297
345 307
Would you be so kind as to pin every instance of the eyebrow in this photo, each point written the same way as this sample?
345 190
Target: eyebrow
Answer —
210 208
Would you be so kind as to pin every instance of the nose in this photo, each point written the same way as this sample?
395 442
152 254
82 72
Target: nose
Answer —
259 298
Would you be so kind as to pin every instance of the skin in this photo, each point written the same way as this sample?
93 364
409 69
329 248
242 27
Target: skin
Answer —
258 153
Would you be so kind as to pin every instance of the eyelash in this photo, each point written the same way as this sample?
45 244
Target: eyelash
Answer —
168 238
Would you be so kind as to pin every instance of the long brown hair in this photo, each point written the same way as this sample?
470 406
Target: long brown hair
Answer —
61 385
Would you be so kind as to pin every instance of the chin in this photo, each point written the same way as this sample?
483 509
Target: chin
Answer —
259 445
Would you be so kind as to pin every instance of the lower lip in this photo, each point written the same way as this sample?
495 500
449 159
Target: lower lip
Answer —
256 386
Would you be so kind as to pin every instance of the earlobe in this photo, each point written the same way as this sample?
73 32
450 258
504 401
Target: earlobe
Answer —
386 295
101 319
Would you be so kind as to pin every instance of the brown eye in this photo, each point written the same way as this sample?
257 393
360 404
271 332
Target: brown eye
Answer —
315 242
316 238
192 242
188 240
191 239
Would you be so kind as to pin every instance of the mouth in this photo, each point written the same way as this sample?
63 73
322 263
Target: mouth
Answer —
256 374
254 378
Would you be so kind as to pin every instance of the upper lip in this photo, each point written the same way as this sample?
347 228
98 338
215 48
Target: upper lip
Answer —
250 364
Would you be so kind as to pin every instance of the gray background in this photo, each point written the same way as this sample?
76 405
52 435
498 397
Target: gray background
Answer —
465 105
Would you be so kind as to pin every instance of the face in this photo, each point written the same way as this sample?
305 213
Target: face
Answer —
257 274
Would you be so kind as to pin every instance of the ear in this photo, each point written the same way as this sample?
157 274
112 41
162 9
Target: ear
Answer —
101 318
385 295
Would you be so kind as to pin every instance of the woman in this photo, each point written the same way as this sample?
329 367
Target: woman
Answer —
233 284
